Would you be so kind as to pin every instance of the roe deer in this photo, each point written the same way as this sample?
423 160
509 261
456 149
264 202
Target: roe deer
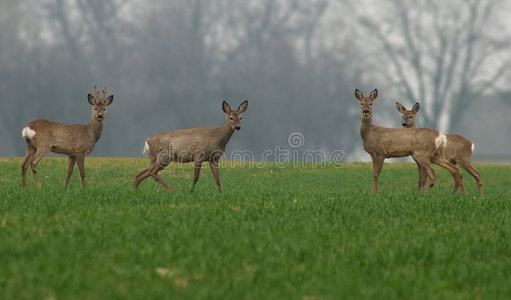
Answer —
74 140
423 144
191 145
458 151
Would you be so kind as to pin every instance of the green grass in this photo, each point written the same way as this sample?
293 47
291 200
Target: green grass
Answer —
293 233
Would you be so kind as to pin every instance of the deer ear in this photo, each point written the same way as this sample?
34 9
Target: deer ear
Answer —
416 107
400 108
226 107
91 99
359 95
373 94
243 106
109 100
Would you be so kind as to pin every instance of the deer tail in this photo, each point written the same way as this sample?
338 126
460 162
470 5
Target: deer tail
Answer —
27 133
146 147
441 141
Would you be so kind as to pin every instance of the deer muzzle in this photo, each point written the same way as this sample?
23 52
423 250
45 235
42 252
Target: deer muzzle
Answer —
237 128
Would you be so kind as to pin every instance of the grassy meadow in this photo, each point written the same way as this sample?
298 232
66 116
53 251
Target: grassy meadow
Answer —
294 232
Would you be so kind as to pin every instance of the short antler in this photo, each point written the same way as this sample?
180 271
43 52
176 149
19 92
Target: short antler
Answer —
104 93
96 93
98 97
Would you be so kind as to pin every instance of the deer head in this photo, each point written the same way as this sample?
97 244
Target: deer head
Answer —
366 103
99 104
233 117
408 118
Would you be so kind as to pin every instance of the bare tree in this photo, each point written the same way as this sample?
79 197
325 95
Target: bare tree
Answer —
179 56
444 54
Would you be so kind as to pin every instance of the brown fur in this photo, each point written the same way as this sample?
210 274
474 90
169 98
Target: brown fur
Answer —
458 151
420 143
74 140
191 145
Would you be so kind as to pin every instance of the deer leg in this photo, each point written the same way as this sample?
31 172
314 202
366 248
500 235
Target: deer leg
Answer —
31 151
422 177
377 166
196 173
432 177
214 169
154 164
470 169
458 182
70 167
159 180
454 163
141 176
426 171
81 161
41 152
430 174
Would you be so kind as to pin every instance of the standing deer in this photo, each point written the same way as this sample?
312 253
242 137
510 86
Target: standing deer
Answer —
423 144
74 140
458 151
191 145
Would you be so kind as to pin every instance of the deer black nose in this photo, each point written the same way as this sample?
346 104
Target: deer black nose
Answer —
237 127
404 125
366 111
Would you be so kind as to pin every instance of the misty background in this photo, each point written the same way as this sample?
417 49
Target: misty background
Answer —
170 64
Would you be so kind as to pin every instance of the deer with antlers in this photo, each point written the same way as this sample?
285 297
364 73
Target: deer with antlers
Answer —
191 145
423 144
74 140
458 151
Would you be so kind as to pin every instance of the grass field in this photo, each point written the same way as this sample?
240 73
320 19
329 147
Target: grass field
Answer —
293 233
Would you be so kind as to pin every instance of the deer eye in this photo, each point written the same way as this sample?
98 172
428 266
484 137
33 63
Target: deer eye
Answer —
370 104
362 104
231 118
240 118
409 117
95 108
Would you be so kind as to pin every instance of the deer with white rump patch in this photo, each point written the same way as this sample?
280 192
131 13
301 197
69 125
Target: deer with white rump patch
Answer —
423 144
74 140
191 145
459 150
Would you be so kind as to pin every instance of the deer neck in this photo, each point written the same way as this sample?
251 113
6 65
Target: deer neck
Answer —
224 133
365 127
95 128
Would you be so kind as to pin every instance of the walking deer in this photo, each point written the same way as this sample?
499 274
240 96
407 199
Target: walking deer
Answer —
423 144
191 145
459 150
74 140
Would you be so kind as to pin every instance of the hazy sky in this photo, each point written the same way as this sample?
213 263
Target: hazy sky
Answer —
170 64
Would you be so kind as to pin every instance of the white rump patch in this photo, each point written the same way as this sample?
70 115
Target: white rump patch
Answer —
473 147
27 133
146 147
441 140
